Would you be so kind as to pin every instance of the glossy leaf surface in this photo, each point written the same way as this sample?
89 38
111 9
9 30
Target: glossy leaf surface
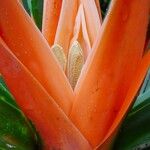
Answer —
35 9
16 132
135 131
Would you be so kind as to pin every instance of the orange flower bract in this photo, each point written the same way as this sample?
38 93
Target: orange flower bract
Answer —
88 115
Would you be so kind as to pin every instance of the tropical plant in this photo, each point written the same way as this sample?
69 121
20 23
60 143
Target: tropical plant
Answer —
74 74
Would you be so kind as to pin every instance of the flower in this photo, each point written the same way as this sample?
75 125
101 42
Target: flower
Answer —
102 62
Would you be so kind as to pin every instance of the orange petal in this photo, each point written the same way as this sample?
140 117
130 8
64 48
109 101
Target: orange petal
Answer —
66 22
80 32
92 19
97 2
51 15
138 79
108 72
30 47
55 129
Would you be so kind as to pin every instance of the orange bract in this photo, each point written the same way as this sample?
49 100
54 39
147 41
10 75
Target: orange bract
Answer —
92 19
108 72
39 106
113 52
80 32
29 46
66 24
50 19
135 85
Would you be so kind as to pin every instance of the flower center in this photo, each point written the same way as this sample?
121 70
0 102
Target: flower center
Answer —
73 63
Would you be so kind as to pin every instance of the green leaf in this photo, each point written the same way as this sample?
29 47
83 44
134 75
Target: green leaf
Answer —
5 94
135 131
2 81
146 84
27 6
34 9
104 6
16 132
37 12
144 92
141 98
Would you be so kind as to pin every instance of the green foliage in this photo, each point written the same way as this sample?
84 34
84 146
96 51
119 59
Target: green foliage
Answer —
34 9
104 6
27 6
144 92
135 131
5 93
37 12
16 132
